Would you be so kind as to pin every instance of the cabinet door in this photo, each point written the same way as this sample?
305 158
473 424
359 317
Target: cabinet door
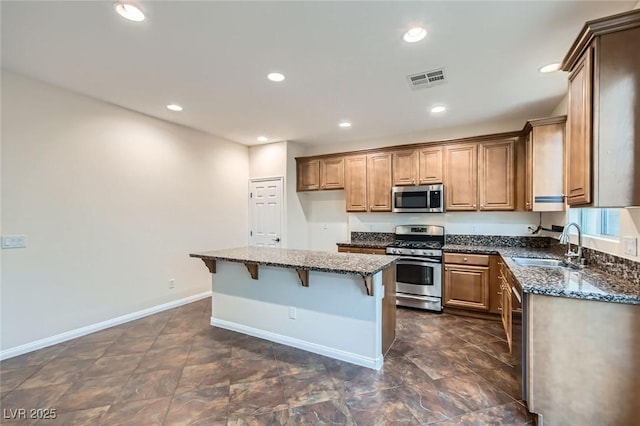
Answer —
404 168
579 136
332 173
379 182
497 176
466 287
373 251
506 312
461 175
547 167
349 250
356 183
308 175
430 165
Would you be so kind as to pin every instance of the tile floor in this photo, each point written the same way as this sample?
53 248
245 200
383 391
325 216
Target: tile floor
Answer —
173 368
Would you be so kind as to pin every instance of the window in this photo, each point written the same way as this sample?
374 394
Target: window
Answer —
600 222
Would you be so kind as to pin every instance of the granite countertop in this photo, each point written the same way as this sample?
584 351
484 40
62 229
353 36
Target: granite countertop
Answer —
364 244
340 263
587 283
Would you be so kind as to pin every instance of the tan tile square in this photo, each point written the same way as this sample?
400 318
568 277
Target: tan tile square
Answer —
121 365
130 345
308 387
146 412
90 394
249 370
153 384
169 359
253 398
11 379
86 350
214 374
199 407
58 371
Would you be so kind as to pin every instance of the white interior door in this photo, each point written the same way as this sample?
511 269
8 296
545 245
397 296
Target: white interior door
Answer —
265 212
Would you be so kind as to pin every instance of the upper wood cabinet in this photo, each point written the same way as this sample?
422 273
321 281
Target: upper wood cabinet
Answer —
405 168
496 175
323 173
368 183
602 148
579 139
332 173
355 168
543 162
430 164
379 182
308 175
461 177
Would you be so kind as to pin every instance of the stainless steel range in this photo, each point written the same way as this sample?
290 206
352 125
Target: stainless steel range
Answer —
419 270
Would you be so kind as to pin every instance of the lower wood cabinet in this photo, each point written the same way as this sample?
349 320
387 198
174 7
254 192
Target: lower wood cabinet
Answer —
466 287
363 250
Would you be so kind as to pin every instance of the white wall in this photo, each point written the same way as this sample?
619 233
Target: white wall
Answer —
112 203
268 160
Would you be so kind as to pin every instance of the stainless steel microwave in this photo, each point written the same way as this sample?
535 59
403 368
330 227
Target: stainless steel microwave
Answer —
418 199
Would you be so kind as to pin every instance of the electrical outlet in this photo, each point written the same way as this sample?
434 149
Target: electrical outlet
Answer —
292 312
631 246
172 283
14 241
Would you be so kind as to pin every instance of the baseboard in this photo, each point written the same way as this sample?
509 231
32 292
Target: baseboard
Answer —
374 363
82 331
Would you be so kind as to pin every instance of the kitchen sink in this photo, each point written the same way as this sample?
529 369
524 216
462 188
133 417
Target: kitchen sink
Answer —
549 263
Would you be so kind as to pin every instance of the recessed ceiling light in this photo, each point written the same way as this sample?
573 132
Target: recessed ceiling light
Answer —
344 124
439 108
263 139
174 107
414 34
275 76
129 11
551 67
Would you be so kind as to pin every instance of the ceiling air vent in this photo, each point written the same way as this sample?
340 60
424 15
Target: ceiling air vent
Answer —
427 79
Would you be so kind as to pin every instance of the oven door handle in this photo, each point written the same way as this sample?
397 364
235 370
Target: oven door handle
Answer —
423 298
419 262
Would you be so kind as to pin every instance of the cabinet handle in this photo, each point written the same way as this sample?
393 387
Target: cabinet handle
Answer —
499 293
474 206
482 205
465 259
500 309
446 269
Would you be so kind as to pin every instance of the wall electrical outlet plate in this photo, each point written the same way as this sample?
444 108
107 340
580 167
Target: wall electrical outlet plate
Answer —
14 241
631 246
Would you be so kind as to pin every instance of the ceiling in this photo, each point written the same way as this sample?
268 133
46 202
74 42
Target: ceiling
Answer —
342 61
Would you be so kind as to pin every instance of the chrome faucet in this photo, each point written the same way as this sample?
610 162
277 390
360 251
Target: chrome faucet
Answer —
564 239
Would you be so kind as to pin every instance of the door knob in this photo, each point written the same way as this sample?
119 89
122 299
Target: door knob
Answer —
277 240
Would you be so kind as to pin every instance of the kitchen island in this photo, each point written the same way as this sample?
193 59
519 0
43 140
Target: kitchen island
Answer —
339 305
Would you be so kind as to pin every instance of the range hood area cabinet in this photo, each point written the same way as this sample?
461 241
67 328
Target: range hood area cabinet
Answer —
420 166
603 124
541 164
317 174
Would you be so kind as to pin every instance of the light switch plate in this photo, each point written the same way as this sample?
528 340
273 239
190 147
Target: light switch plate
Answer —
631 246
14 241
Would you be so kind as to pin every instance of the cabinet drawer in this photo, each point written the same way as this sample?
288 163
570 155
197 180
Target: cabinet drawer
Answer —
467 259
349 250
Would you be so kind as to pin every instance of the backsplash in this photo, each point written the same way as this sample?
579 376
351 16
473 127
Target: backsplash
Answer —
372 237
498 240
614 265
